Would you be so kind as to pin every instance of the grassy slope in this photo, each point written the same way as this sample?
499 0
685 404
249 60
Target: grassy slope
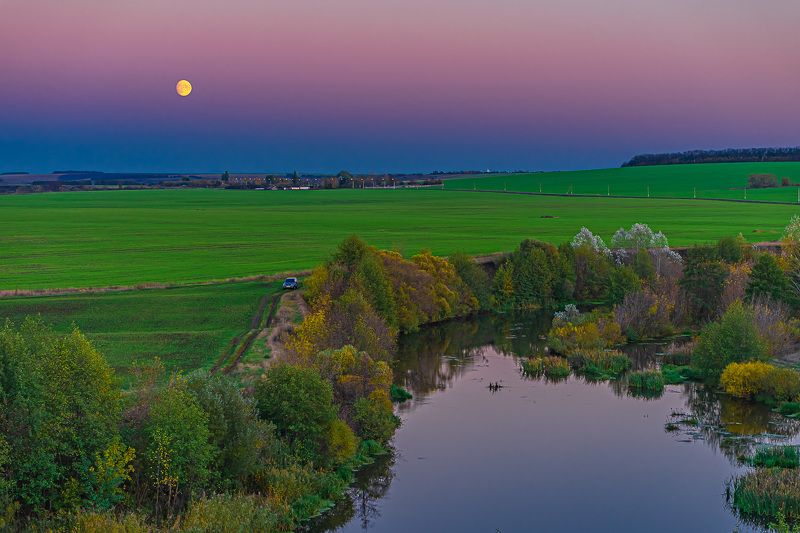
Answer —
187 328
725 180
126 237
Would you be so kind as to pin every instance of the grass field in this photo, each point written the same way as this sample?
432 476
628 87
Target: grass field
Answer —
96 239
724 180
187 327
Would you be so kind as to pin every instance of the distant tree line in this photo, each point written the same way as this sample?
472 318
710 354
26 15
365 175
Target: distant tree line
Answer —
729 155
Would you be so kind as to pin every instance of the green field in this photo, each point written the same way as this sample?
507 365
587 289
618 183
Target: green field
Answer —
187 327
96 239
724 180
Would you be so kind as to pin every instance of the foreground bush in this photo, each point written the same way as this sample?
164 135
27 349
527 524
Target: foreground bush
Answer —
734 338
761 381
227 513
300 404
745 380
591 331
59 419
766 493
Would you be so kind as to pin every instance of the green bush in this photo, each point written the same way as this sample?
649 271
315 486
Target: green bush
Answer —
59 415
374 418
179 453
300 404
783 384
734 338
244 443
399 394
235 513
341 442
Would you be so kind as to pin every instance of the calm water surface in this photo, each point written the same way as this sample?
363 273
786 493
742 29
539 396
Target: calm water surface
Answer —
543 456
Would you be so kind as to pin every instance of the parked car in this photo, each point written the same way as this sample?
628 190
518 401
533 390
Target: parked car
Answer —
290 283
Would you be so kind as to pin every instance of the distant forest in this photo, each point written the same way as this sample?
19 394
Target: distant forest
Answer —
730 155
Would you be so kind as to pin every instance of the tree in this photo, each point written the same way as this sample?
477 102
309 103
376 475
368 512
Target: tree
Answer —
300 404
179 451
243 443
767 279
730 249
475 277
503 286
734 338
225 177
374 417
643 265
592 271
623 280
59 414
703 281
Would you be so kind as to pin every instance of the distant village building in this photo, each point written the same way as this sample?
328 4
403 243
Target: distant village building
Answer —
247 181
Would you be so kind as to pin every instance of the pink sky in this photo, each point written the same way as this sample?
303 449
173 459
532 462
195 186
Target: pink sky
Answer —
390 85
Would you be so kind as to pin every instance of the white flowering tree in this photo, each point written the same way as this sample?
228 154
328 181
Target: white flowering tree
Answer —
586 238
641 237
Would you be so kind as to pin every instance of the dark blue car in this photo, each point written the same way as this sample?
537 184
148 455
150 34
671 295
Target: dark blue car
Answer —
290 283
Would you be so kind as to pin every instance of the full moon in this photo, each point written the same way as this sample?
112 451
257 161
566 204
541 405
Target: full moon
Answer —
184 88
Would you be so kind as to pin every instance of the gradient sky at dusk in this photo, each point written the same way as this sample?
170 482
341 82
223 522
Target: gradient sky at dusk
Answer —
390 85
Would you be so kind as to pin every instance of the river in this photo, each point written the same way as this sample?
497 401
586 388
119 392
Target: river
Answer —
542 456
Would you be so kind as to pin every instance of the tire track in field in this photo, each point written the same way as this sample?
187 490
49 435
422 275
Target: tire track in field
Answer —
241 343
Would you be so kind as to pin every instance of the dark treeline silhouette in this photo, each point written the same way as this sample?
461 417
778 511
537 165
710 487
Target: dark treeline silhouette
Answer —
729 155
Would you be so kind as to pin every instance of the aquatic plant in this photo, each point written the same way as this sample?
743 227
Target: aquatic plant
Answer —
399 394
776 457
554 368
674 375
600 364
646 382
790 409
766 493
533 367
679 353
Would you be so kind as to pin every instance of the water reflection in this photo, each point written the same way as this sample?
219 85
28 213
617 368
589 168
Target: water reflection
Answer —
431 359
613 448
734 427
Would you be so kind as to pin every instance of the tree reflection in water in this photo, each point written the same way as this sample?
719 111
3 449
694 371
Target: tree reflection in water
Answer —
735 427
433 358
360 502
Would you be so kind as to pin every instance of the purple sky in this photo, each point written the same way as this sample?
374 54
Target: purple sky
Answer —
390 85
